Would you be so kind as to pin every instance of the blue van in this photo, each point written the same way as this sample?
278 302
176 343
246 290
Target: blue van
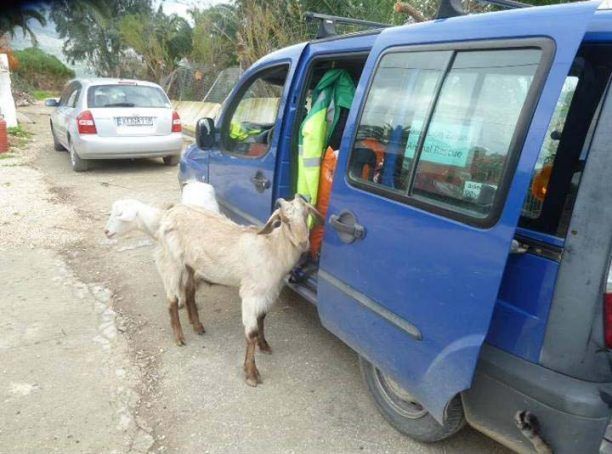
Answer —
469 264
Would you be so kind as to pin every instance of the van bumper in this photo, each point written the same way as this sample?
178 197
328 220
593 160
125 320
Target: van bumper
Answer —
573 414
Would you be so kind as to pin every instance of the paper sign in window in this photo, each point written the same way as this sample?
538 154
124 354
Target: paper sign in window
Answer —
447 142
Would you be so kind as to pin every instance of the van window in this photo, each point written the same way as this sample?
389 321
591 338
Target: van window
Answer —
464 154
250 129
397 104
532 208
457 122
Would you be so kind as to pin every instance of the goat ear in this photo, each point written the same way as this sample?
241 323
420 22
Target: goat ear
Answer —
272 223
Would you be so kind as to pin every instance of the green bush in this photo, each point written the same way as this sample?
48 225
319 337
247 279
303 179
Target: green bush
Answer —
40 70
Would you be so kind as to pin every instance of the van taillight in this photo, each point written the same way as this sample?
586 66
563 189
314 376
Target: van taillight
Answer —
86 123
176 122
608 310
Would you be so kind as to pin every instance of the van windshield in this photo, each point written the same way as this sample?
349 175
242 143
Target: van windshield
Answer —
101 96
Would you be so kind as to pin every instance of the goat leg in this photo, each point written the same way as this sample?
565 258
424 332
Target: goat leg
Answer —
262 343
250 369
176 322
192 309
529 426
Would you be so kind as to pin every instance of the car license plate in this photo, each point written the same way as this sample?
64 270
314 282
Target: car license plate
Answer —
134 121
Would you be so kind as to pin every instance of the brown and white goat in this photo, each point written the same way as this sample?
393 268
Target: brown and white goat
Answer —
196 244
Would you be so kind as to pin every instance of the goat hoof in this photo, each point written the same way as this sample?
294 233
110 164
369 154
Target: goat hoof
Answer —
264 347
254 380
180 342
199 328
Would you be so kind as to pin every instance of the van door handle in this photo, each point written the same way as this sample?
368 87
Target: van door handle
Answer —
260 181
347 227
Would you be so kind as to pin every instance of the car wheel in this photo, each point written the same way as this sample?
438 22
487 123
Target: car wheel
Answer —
171 160
405 413
78 164
56 145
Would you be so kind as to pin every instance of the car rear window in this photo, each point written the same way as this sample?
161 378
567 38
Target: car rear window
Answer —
126 96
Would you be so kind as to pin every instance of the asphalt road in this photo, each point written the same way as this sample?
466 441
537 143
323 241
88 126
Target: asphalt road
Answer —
87 359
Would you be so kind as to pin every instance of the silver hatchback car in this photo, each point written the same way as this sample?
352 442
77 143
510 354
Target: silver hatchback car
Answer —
115 118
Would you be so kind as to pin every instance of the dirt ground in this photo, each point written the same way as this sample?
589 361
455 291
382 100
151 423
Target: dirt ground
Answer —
87 361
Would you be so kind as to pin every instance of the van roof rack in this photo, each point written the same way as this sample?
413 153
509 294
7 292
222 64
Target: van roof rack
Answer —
453 8
327 23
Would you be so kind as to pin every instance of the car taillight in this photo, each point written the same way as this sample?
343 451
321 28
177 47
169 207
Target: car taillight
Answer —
86 123
608 310
176 122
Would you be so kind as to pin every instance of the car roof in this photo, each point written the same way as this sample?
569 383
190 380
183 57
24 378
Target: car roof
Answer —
90 81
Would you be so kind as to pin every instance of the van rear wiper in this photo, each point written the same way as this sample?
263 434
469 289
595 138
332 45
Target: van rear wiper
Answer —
120 104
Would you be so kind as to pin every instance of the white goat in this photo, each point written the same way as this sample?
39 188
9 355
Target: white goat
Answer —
128 215
195 243
200 194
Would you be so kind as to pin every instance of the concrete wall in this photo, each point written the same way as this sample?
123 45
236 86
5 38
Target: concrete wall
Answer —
259 110
191 111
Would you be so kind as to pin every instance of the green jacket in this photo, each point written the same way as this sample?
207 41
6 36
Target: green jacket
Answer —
335 89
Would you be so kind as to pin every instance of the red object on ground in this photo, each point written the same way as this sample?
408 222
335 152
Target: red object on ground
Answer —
328 168
4 144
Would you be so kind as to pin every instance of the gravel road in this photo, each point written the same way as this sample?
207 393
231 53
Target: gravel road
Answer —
87 361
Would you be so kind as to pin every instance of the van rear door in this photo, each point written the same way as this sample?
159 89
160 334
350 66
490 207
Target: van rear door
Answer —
432 173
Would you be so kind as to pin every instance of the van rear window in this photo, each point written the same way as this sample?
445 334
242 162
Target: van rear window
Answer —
101 96
439 126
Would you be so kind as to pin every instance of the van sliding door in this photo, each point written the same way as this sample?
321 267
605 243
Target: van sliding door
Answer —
420 228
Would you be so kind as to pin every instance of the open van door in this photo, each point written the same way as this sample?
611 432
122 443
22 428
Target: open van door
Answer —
432 173
243 161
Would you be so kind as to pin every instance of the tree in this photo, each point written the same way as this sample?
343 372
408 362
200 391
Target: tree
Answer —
17 17
90 29
160 40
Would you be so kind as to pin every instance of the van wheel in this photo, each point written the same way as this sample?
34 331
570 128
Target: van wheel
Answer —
56 145
404 413
78 164
171 160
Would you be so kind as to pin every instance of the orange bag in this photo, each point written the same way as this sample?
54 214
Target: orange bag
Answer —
328 168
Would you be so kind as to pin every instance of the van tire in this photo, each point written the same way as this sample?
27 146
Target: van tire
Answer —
171 160
411 419
78 164
56 145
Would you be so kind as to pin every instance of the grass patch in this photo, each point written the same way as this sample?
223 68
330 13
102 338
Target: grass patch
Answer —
41 95
18 137
18 131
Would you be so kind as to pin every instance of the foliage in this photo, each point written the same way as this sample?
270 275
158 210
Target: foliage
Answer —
18 131
161 41
90 29
44 94
214 35
39 70
18 17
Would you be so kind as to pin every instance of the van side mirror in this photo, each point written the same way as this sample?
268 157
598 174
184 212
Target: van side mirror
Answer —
51 102
205 133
